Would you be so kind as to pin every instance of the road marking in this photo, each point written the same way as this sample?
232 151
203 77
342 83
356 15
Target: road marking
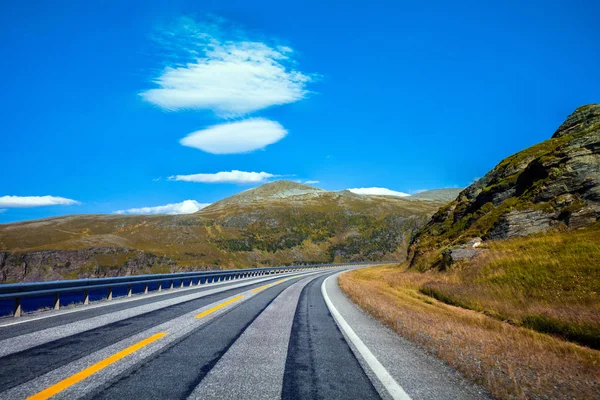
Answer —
70 381
218 307
387 380
258 289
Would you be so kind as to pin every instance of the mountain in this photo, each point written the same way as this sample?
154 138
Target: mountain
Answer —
554 185
446 195
282 189
282 222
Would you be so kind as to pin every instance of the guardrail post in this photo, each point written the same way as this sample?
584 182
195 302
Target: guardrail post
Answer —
146 288
171 285
17 311
86 297
159 287
109 296
181 283
129 290
57 301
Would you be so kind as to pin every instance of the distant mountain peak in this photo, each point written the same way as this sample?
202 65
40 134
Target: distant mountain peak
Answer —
446 194
283 184
271 190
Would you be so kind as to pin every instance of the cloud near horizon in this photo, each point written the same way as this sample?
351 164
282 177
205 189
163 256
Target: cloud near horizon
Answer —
225 72
185 207
234 176
378 191
34 201
236 137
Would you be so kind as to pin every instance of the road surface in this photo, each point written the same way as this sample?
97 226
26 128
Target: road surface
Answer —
290 336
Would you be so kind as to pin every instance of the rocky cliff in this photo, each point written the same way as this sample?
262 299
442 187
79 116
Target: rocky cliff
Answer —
552 185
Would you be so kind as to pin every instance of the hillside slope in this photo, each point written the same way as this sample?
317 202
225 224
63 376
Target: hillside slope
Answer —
278 223
504 282
552 185
522 244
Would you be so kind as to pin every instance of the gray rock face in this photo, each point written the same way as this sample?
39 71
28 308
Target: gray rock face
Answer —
522 223
56 264
467 251
563 172
583 118
554 183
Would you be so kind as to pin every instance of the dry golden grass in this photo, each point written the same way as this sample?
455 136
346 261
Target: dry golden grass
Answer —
549 282
510 361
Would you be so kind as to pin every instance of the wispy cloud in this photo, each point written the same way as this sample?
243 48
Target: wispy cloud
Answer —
226 177
236 137
34 201
224 71
185 207
378 191
310 182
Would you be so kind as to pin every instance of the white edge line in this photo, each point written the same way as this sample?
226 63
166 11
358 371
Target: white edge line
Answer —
390 384
139 296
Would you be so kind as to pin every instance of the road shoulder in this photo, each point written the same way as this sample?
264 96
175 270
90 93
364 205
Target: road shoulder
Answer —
421 375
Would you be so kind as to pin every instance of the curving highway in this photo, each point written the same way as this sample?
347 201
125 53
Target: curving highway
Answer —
290 336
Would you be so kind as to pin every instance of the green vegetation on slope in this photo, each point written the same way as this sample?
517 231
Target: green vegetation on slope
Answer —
275 224
538 212
551 185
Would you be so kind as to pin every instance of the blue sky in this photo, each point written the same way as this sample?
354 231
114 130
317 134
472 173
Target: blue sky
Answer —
109 107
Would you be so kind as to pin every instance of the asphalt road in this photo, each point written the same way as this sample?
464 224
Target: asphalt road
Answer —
293 336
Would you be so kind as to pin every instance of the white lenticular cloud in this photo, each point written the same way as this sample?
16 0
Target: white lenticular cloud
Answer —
378 191
236 137
226 177
185 207
310 182
231 76
34 201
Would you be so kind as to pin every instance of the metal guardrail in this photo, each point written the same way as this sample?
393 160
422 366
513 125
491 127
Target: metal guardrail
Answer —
17 291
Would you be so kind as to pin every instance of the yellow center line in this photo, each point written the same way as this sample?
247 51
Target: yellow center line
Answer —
219 306
70 381
258 289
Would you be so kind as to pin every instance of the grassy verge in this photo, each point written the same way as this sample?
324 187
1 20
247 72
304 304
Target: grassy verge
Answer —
548 282
511 361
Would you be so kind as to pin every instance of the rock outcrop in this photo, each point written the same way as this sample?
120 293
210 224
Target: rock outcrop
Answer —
95 262
553 184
